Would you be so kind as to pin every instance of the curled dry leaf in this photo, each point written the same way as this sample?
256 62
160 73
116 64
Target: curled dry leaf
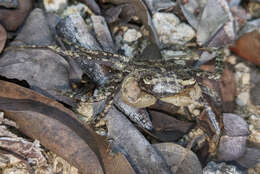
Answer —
248 47
59 138
3 37
13 18
53 125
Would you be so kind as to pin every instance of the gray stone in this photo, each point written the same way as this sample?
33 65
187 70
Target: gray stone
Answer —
231 148
235 125
36 29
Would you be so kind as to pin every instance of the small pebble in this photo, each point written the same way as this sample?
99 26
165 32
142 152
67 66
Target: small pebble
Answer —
131 35
1 115
170 30
255 121
254 137
242 99
245 79
242 67
80 9
55 5
232 60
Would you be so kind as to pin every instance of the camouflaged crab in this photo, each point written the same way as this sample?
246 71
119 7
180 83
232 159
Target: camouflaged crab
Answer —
133 85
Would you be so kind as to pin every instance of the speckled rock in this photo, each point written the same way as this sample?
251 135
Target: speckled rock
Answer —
170 30
220 168
74 29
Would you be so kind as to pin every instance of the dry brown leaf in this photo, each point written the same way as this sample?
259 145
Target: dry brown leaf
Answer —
53 125
248 47
50 125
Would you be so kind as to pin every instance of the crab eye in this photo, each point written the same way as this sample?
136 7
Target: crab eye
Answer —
148 78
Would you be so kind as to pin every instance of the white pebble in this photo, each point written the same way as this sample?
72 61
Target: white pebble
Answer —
132 35
242 98
55 5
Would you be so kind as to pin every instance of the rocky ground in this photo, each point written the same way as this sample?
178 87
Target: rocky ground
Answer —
42 130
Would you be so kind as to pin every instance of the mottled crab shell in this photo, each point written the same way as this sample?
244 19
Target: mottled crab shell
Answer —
132 94
185 98
164 84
